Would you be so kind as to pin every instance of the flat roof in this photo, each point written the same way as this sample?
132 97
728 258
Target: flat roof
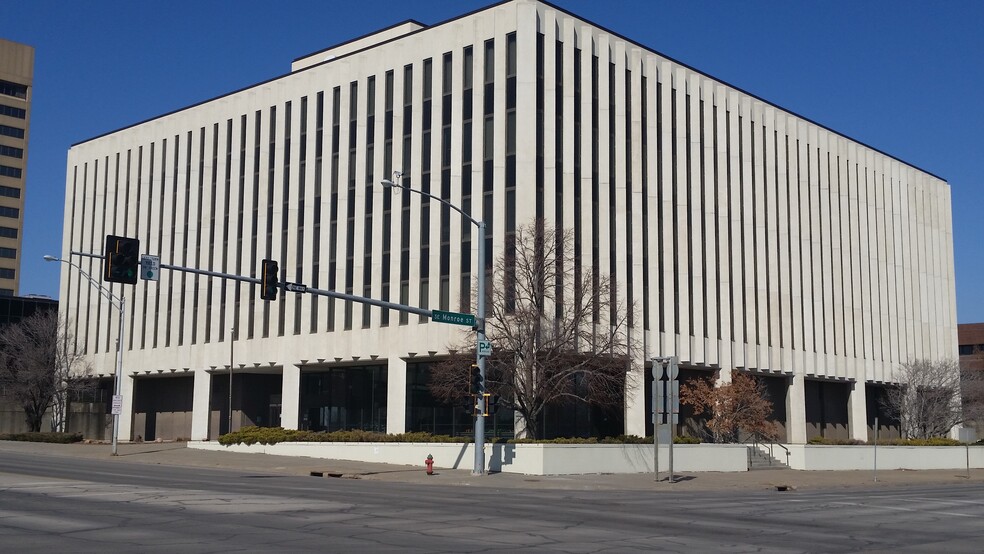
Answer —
491 6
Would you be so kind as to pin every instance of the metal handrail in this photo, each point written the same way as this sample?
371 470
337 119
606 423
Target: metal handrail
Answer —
758 440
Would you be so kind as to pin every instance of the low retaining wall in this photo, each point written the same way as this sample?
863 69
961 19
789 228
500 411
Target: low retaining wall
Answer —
580 459
824 457
529 459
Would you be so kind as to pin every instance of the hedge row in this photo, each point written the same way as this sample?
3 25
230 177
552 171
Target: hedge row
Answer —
938 441
60 438
273 435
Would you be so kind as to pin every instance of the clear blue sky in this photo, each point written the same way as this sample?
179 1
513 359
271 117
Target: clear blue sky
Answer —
904 77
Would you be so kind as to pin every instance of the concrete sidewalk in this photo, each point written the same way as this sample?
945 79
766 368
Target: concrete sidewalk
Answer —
176 454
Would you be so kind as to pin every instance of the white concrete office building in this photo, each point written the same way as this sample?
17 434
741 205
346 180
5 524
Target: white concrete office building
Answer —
747 236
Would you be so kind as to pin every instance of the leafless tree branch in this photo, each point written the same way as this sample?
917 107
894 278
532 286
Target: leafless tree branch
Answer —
557 336
927 401
37 370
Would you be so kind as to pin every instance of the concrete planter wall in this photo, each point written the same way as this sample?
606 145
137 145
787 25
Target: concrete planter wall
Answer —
823 457
529 459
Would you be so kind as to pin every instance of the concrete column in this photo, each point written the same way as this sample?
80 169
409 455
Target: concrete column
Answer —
290 399
126 415
723 377
200 409
396 396
635 402
796 410
857 411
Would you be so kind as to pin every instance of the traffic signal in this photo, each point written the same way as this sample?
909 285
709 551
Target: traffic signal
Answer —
477 382
269 279
491 404
120 260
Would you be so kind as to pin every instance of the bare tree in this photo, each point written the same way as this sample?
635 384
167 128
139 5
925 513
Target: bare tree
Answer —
742 405
559 335
37 371
926 401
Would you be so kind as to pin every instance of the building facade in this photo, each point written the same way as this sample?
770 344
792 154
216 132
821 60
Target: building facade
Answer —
971 347
745 236
16 84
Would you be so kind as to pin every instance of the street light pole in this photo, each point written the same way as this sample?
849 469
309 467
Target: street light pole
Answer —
397 182
120 303
479 467
232 343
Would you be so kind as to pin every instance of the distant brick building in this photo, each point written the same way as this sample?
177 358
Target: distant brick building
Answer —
970 337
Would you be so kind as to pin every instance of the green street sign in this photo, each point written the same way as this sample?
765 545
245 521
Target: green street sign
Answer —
452 317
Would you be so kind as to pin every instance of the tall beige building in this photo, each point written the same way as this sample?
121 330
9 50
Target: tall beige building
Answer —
747 236
16 82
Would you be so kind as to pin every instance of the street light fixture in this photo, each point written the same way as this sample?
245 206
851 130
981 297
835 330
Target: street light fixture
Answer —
120 303
397 182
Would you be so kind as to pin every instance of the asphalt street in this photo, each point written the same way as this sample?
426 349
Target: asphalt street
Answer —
51 500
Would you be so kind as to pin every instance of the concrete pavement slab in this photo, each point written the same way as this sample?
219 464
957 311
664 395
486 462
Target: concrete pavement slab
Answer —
176 454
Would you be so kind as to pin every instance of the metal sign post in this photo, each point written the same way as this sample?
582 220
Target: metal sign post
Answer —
666 404
875 461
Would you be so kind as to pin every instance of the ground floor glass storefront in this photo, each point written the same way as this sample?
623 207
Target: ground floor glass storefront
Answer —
429 415
342 398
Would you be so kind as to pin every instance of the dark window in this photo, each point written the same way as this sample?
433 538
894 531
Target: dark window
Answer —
8 131
10 111
405 198
350 201
427 414
577 173
445 251
8 232
8 171
8 252
488 130
510 223
594 295
11 152
16 90
425 175
6 273
387 245
344 398
10 192
239 228
965 349
187 220
285 210
7 211
644 140
271 186
369 188
257 137
319 141
301 183
467 111
628 200
6 292
333 203
559 173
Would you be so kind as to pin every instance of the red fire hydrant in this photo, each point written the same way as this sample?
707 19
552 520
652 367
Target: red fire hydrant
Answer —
429 462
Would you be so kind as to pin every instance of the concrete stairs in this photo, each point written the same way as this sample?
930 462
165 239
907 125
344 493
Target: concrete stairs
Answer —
759 459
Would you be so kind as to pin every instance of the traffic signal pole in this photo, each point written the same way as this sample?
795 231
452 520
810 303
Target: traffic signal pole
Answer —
479 467
288 287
